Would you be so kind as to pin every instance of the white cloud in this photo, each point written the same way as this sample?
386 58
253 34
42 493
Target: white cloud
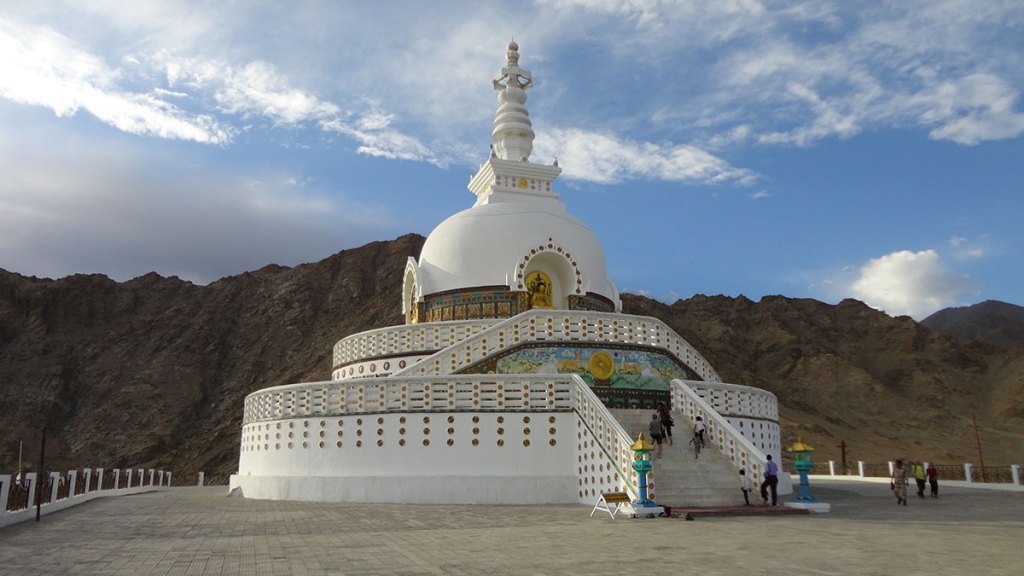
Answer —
967 249
760 194
908 283
41 67
68 205
606 158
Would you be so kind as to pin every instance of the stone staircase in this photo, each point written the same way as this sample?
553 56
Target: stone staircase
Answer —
681 480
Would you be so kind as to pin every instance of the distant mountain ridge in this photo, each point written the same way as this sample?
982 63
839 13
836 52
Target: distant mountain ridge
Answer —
153 372
991 321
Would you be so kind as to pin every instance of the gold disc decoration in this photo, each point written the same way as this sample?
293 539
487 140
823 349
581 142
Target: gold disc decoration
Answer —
601 365
523 183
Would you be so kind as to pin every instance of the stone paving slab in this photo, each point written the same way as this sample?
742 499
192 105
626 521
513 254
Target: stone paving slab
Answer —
204 531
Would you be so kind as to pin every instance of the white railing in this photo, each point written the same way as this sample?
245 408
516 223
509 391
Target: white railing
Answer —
737 400
563 326
405 339
610 443
20 497
470 392
720 433
603 447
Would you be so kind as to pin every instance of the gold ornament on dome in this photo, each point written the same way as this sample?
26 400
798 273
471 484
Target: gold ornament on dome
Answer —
523 183
601 365
538 287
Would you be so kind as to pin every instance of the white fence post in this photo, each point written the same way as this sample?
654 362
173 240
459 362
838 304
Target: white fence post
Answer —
72 481
54 485
87 473
1015 472
201 476
891 466
969 472
142 477
168 479
860 468
5 490
150 476
31 479
117 478
128 477
99 479
831 467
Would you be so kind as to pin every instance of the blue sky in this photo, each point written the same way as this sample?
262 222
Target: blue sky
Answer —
810 149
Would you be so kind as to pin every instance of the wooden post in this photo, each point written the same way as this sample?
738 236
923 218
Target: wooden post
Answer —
977 438
42 459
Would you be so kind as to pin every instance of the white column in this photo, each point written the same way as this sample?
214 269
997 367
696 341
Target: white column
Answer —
128 477
117 478
201 475
860 468
831 468
87 473
160 478
72 480
151 474
31 479
891 466
54 485
5 491
168 479
1015 472
99 479
969 472
142 476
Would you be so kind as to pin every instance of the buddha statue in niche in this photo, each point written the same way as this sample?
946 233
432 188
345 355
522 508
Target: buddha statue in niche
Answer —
538 286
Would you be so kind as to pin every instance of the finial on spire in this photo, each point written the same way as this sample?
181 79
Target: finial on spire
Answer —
513 132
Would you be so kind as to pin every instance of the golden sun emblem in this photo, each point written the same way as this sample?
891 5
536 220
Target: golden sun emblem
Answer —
601 365
523 183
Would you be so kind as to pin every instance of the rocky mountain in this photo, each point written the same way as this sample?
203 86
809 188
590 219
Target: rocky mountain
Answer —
991 321
153 371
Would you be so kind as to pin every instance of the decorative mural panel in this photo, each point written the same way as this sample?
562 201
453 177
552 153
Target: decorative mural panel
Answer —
622 377
591 302
470 304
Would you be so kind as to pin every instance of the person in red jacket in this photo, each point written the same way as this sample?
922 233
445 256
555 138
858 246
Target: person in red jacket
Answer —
933 479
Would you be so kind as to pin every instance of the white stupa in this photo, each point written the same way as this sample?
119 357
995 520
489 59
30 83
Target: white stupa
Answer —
516 378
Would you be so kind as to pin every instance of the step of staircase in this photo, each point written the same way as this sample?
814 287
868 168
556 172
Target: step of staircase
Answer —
680 480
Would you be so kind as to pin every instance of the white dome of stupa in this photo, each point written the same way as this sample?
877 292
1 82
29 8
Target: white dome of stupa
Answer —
518 233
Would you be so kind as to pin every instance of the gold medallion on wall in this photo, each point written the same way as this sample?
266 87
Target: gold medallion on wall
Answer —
601 365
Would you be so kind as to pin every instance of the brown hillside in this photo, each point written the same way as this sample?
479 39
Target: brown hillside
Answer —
887 386
152 372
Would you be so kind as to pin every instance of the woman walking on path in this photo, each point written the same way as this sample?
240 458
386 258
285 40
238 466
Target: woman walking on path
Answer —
657 433
933 479
898 483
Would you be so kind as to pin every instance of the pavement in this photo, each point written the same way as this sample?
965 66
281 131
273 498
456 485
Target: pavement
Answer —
205 531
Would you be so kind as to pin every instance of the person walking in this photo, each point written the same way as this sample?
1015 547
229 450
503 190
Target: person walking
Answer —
917 471
745 486
666 421
933 479
898 483
657 432
771 481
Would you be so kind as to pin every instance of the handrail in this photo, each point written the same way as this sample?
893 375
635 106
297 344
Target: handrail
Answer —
611 438
563 326
462 392
405 339
729 440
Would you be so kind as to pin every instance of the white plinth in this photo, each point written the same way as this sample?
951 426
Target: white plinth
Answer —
647 512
